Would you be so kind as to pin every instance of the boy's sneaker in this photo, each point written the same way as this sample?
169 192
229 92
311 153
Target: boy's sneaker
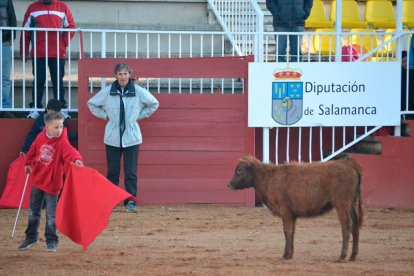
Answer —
26 244
33 114
131 207
51 247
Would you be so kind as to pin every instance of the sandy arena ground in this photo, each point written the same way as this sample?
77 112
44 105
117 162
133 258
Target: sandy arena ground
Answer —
214 240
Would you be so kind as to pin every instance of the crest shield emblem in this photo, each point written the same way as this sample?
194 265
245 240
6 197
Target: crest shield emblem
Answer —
287 102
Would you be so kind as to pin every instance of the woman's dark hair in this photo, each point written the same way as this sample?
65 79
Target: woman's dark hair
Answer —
122 66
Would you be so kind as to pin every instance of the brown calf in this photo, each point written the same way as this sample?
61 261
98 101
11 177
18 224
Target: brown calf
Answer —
306 190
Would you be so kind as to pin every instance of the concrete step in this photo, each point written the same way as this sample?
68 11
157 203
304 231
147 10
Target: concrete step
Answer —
366 146
115 14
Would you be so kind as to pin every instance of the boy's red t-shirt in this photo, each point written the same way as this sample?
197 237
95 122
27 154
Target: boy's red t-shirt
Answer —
47 156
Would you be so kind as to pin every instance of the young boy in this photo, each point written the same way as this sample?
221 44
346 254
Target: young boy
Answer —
39 125
45 161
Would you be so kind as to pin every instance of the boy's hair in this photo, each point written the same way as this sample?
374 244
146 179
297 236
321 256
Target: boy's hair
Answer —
122 66
53 105
52 115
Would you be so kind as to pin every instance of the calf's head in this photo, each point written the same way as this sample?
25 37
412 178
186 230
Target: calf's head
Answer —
243 175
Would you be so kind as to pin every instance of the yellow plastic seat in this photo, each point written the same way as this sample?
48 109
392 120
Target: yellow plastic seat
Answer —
365 40
380 14
350 15
317 17
390 48
408 13
324 44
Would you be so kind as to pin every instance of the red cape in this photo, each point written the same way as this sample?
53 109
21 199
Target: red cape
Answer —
14 187
86 203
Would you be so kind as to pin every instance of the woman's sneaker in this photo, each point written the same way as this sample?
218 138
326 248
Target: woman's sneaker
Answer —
33 114
26 244
65 114
51 247
131 207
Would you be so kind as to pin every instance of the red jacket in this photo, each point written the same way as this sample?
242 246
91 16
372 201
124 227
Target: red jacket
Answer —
47 157
39 15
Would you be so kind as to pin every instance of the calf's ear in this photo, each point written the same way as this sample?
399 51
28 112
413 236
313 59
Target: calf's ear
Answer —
246 163
248 158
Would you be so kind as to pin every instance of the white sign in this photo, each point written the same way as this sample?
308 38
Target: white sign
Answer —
324 94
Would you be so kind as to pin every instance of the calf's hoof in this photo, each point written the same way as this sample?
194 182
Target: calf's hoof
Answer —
352 258
287 256
341 259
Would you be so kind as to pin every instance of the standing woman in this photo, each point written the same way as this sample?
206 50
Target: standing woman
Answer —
123 104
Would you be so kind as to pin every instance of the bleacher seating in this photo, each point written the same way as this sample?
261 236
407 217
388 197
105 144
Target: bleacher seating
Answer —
408 13
324 43
317 17
350 15
366 40
380 14
389 48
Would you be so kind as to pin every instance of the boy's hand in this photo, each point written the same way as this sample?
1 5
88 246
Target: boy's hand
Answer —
22 154
78 163
27 169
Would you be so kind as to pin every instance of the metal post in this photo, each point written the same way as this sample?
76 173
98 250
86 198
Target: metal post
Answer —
266 145
398 55
338 30
103 55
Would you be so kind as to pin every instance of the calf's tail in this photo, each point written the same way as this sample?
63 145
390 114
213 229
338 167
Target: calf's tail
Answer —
360 210
359 196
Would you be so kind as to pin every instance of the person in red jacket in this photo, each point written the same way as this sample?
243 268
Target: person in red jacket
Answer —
47 46
45 162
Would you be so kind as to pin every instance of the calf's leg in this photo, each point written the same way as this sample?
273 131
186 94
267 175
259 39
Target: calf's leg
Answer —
345 219
293 235
355 234
288 230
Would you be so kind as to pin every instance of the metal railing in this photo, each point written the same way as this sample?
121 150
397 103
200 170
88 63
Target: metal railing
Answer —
99 43
324 143
168 44
240 19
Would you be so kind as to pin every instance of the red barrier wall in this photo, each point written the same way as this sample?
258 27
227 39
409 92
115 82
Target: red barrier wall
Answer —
389 178
191 144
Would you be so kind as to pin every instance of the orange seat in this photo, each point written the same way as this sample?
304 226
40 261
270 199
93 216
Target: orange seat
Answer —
317 17
350 15
380 14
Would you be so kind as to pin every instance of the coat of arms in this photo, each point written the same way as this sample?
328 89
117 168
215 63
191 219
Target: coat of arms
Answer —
287 96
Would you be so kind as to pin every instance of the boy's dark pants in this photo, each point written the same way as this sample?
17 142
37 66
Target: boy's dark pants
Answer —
113 158
36 201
